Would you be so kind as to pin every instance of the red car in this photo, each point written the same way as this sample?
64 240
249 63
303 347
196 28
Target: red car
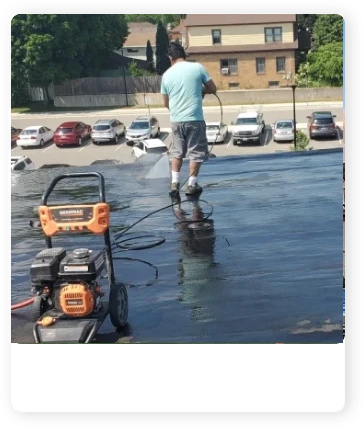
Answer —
71 133
14 135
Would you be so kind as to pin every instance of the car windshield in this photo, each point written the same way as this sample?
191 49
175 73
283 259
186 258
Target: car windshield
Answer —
157 149
139 125
246 121
29 132
323 121
64 130
212 127
101 127
284 125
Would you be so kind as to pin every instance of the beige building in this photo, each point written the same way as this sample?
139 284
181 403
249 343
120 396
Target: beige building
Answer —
251 51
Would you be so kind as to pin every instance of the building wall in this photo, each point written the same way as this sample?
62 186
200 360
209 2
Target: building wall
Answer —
237 34
247 77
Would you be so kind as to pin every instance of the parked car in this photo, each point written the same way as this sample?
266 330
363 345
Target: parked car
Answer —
142 148
71 133
19 163
249 127
142 128
321 124
107 130
216 132
15 134
283 130
34 136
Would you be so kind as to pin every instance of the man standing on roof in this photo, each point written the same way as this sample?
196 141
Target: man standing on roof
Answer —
183 87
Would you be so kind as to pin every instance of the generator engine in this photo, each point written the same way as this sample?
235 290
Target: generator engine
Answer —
70 282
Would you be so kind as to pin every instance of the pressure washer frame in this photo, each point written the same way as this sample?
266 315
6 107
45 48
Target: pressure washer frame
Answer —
81 330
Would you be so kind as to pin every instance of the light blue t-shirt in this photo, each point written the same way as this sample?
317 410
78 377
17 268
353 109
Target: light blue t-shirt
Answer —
183 85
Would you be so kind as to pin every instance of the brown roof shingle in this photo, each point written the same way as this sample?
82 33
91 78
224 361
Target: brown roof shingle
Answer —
196 20
180 28
132 25
140 33
241 48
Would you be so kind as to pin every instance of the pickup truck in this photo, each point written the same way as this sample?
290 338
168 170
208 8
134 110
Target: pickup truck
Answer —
249 127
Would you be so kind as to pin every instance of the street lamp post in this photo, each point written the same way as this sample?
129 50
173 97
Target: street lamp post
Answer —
294 115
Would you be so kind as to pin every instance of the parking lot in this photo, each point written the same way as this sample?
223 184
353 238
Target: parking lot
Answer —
88 153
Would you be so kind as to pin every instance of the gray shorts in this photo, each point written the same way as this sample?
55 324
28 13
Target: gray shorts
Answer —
189 140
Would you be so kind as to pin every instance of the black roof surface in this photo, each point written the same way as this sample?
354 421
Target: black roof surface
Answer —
266 267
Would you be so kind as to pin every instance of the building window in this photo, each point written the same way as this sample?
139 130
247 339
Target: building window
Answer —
273 34
216 37
273 84
229 64
132 50
281 64
260 65
234 85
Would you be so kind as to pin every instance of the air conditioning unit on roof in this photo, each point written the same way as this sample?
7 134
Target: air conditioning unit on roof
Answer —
225 70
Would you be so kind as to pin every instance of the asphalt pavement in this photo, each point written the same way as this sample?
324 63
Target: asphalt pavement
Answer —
89 153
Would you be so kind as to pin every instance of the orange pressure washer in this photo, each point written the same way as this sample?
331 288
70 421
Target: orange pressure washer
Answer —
68 305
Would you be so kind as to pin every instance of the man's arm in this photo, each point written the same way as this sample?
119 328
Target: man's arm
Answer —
164 93
165 100
209 87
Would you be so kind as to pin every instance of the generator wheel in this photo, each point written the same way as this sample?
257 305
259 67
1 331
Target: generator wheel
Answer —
39 306
118 305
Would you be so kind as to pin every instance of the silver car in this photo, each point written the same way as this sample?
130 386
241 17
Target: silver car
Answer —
283 130
142 128
107 130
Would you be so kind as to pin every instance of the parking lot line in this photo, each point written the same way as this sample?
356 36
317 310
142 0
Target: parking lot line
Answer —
52 145
118 147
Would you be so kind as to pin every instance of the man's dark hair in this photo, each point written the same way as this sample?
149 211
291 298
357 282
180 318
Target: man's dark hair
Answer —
175 51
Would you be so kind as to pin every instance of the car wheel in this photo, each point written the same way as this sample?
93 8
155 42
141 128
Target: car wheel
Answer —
158 133
79 142
116 139
95 142
235 143
41 143
123 133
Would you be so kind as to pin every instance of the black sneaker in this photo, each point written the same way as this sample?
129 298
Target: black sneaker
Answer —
193 190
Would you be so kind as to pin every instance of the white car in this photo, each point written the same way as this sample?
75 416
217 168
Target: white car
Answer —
34 136
249 126
19 163
107 130
216 132
142 128
155 146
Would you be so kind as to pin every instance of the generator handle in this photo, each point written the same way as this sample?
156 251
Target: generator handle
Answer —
76 175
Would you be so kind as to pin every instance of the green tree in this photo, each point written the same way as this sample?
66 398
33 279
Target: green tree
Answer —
162 43
134 70
302 141
150 57
306 21
19 90
328 29
325 65
154 19
52 48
